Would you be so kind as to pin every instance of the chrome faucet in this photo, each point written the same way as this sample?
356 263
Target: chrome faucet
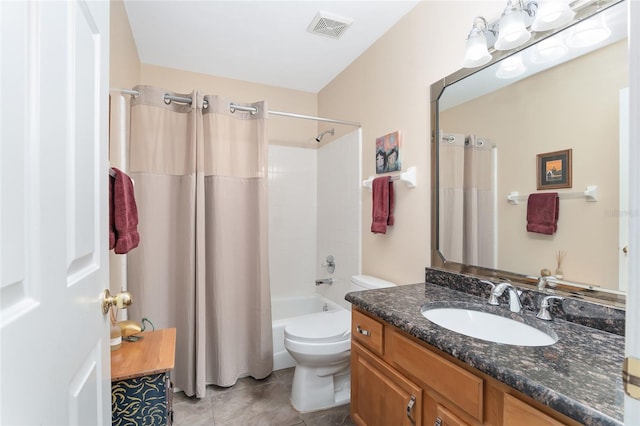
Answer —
542 283
544 313
514 296
325 281
545 281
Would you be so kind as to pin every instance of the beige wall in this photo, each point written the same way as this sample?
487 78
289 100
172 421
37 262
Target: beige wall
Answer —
387 89
523 122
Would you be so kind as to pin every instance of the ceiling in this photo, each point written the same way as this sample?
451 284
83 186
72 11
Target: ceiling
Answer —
263 41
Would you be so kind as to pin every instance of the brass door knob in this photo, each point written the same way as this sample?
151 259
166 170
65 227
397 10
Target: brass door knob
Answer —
120 300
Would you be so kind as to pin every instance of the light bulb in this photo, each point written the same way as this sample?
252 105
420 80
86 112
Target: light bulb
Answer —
552 14
548 50
476 52
512 31
511 67
588 33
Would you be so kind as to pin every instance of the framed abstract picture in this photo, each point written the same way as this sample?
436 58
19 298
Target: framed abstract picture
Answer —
554 170
388 153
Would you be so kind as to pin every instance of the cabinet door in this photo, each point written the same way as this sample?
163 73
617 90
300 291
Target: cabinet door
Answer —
379 395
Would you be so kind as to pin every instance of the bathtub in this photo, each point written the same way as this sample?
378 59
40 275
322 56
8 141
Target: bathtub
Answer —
286 310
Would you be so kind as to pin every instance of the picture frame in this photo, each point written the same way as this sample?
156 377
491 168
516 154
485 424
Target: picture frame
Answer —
388 153
554 170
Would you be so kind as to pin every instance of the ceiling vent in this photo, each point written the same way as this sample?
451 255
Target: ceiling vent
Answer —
329 25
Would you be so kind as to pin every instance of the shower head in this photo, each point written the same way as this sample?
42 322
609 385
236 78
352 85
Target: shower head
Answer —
319 138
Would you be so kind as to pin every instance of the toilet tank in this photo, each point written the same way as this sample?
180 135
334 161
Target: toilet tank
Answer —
367 282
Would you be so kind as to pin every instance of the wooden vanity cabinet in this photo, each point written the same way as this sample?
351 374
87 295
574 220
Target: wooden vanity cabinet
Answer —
399 380
379 395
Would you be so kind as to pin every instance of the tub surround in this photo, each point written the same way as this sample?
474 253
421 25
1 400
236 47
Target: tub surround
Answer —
579 376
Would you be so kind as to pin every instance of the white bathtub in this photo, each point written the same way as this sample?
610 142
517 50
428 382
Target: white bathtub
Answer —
288 309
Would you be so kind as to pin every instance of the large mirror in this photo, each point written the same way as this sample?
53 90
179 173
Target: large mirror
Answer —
499 129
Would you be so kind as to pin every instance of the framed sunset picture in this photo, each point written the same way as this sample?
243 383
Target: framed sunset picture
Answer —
554 170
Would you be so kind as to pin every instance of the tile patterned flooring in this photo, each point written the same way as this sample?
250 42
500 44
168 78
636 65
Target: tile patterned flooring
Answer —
253 402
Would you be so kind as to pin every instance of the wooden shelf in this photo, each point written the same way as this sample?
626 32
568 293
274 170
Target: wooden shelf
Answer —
153 354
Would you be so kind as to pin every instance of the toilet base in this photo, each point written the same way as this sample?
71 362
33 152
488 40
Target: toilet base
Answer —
316 388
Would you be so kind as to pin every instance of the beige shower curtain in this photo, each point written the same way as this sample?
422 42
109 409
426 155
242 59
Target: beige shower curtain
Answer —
200 176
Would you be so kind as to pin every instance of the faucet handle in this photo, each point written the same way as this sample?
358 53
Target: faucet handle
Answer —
544 313
493 299
493 285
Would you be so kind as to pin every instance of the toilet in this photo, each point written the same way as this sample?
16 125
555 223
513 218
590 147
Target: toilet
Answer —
320 343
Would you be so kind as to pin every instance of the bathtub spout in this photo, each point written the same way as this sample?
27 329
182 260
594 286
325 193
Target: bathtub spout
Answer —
324 281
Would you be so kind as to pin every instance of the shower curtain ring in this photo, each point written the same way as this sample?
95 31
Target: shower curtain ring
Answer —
167 99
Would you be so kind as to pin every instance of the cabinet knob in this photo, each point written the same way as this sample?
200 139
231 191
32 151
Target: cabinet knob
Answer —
410 405
363 331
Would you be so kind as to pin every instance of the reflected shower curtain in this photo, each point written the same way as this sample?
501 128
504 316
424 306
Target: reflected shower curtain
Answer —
451 207
467 200
202 265
479 208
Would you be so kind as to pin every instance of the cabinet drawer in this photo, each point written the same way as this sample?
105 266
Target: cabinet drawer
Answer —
447 418
454 383
367 331
515 411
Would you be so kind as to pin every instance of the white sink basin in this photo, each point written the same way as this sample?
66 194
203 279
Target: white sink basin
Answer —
487 326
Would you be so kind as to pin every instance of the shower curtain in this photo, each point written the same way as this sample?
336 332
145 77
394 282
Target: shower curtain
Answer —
200 174
467 200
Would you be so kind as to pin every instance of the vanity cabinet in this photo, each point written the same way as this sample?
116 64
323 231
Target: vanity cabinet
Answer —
141 392
397 379
381 396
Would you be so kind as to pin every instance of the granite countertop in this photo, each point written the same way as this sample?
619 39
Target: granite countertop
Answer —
579 376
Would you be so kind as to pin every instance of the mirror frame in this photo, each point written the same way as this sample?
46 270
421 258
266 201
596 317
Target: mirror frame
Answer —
591 293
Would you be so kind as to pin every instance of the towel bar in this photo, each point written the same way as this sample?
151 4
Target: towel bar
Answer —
590 194
409 177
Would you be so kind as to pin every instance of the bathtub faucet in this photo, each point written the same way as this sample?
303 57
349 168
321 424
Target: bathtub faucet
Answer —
324 281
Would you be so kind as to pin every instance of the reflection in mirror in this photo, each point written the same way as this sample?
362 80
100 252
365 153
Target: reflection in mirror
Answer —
491 127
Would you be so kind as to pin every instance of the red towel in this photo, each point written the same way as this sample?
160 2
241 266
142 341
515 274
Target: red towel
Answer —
542 213
125 214
382 205
112 229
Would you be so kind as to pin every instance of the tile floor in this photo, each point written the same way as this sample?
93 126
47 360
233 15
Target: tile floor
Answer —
253 403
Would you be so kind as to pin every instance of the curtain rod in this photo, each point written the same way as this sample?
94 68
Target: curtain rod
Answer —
168 98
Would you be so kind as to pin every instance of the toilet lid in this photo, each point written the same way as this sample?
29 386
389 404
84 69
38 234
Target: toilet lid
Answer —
322 327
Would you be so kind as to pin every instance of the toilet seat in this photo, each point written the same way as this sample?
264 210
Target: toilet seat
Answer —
322 327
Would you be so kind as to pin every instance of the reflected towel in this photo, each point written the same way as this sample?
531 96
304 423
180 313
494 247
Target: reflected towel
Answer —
125 214
382 205
542 213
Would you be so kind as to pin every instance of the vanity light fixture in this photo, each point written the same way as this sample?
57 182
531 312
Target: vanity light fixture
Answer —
552 14
477 51
512 27
589 32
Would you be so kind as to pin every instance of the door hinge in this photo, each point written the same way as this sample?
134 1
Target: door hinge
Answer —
631 377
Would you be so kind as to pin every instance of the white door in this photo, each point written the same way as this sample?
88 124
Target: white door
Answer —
54 339
623 229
